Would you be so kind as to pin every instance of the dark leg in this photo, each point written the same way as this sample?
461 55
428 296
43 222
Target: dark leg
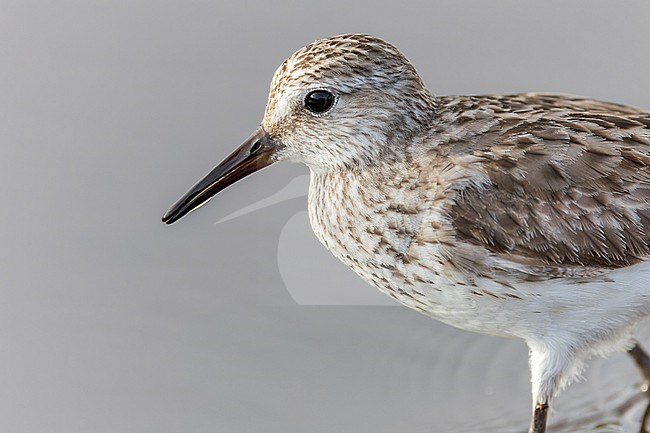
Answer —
538 423
645 417
643 362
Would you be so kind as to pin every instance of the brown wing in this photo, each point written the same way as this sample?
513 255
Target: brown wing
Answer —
569 183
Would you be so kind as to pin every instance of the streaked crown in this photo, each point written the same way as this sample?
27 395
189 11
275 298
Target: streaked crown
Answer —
374 101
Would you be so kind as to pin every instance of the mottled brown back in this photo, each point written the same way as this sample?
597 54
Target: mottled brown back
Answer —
569 178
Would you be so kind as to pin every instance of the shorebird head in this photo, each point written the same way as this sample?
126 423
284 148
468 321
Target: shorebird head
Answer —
338 103
344 101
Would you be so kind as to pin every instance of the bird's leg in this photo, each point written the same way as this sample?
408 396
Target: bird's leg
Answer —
547 368
538 423
643 362
643 420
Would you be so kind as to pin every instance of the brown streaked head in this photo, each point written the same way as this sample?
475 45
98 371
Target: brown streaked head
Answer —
337 103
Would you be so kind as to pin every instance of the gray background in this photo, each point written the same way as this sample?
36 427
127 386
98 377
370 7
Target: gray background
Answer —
112 322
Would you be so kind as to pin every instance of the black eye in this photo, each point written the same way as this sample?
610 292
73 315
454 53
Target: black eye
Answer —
319 101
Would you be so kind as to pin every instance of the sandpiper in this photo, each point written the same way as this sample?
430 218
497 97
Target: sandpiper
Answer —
523 216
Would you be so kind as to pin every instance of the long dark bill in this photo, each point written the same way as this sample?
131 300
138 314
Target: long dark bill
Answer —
253 155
